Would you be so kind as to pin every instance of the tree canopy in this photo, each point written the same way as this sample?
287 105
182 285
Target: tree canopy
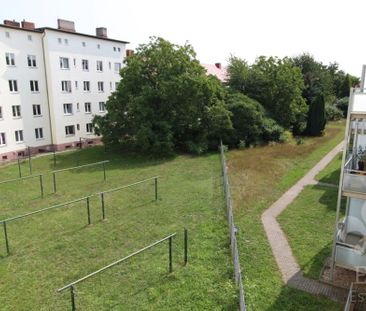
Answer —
165 102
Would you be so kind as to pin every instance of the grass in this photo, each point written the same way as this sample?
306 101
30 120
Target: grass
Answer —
258 178
314 208
52 249
332 172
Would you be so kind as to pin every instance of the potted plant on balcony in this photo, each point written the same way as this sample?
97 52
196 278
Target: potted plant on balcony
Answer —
361 157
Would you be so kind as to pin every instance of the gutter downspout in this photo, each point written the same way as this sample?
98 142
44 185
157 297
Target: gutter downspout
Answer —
47 89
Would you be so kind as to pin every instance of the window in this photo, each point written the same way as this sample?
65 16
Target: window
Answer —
98 46
89 128
76 85
83 44
75 62
86 86
85 64
78 127
110 86
31 59
100 86
38 132
119 49
67 109
1 112
101 106
114 49
29 38
117 67
66 41
37 110
116 85
77 107
13 86
110 65
16 111
59 40
2 139
19 136
7 34
70 130
66 86
34 86
10 59
87 107
99 65
64 63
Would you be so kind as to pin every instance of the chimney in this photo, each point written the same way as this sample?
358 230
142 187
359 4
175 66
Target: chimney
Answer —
12 23
129 53
65 25
28 25
101 32
218 65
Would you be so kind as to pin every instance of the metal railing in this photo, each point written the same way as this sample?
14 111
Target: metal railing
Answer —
170 269
87 201
232 231
53 173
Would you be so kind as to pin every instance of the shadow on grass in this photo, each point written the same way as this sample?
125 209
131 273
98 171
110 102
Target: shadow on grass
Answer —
332 178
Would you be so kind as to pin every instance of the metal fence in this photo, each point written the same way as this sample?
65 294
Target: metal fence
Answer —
102 194
232 231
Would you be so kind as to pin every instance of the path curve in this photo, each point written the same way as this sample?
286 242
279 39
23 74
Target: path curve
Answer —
290 270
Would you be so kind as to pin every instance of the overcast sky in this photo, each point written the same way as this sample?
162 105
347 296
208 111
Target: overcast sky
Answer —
330 30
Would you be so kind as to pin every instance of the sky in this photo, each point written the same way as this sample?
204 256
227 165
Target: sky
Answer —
332 31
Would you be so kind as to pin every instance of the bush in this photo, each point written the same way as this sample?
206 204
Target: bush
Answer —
332 113
271 130
342 105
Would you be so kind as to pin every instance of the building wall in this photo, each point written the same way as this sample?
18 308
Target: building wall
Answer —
21 46
53 120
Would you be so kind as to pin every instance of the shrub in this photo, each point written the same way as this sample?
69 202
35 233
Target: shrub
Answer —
271 130
332 113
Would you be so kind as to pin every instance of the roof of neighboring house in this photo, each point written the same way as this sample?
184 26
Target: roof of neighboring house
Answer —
216 70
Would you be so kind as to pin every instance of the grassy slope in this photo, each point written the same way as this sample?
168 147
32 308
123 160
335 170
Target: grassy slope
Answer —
311 218
331 173
52 249
259 176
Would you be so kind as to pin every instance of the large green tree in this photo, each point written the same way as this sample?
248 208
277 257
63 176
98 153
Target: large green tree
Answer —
165 102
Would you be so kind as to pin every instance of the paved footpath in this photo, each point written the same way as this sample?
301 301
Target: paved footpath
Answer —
290 270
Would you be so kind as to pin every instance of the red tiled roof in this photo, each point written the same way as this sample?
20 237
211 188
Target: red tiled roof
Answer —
212 69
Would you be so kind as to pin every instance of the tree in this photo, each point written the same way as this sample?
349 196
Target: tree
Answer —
165 102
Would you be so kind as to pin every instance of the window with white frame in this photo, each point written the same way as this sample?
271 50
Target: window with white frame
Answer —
38 133
10 59
1 113
59 40
86 86
7 34
32 62
13 86
115 85
98 46
110 86
66 41
29 38
117 67
100 86
37 110
119 49
67 109
2 139
64 63
110 65
70 130
87 107
101 106
78 127
74 62
89 128
34 86
19 136
16 111
66 86
99 65
83 44
76 85
85 64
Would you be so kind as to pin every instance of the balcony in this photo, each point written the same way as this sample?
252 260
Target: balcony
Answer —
354 180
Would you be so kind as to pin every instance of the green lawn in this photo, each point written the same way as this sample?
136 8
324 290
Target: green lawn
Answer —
332 172
310 218
52 249
259 176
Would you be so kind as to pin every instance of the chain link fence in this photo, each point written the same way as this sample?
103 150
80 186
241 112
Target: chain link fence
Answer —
232 230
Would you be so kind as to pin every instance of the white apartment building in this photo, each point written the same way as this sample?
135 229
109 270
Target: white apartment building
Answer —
52 83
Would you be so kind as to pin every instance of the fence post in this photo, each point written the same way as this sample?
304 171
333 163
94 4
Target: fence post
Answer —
185 246
54 157
6 238
104 175
30 160
170 255
88 210
103 208
41 184
54 182
72 293
156 188
19 169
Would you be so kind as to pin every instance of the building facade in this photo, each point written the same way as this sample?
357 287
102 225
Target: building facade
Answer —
52 83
